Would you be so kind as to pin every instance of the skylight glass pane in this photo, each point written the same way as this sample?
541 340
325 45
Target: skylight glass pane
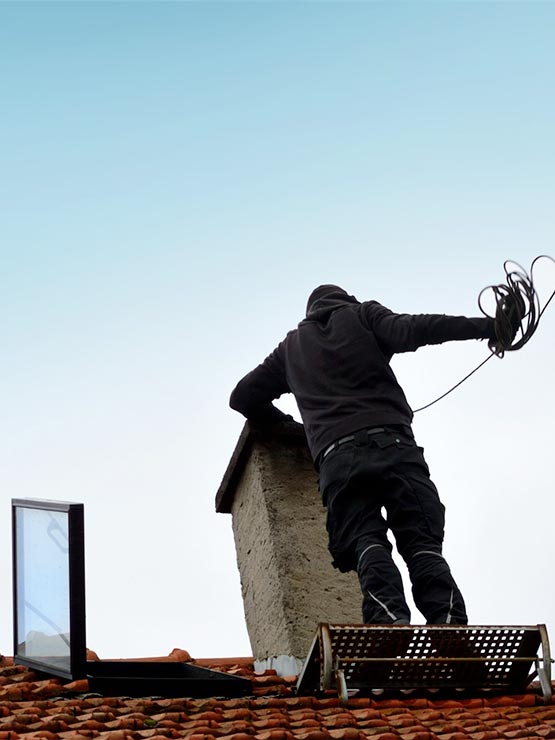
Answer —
43 609
49 586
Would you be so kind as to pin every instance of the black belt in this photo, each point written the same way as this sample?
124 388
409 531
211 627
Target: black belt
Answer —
350 438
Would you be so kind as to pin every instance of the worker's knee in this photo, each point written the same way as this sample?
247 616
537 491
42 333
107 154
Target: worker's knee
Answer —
373 551
424 564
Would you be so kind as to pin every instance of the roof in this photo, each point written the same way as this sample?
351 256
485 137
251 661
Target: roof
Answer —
36 707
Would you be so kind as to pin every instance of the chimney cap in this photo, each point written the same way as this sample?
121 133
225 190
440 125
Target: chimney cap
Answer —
290 431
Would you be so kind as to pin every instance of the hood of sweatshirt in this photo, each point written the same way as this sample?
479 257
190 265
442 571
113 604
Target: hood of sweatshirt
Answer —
325 299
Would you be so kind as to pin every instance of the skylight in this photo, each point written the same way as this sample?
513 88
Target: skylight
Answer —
49 586
49 613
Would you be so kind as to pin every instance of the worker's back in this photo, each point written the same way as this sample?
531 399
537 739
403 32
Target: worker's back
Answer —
340 376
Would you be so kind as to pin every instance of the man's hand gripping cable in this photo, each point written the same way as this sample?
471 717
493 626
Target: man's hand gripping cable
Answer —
517 314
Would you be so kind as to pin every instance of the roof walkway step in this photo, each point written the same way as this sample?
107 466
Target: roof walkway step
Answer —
360 657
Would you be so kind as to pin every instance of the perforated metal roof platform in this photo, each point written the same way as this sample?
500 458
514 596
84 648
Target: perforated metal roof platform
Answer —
359 657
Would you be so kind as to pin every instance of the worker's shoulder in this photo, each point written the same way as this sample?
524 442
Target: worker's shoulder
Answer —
370 309
287 339
373 308
373 305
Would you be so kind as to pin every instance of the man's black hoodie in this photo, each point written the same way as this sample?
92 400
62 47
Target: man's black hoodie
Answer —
336 363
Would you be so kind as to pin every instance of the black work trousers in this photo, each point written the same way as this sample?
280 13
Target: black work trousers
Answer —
387 471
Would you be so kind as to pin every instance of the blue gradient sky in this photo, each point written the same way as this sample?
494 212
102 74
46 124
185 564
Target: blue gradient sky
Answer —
175 179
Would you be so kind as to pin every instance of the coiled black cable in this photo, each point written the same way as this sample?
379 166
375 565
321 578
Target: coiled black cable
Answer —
518 307
517 314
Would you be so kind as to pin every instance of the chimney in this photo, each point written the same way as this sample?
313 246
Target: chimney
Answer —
279 524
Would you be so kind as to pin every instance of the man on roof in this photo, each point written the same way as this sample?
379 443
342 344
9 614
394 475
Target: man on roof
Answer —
358 427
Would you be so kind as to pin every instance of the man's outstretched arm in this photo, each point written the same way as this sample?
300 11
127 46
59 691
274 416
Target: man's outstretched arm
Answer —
407 332
253 395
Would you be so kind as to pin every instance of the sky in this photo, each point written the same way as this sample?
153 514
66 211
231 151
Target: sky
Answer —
175 179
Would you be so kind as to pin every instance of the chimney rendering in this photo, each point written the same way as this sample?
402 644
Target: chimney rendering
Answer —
288 584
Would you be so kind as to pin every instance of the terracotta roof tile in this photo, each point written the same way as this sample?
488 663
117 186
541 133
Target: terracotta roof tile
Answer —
34 707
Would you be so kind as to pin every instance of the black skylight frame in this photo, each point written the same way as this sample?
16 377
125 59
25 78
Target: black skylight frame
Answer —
113 678
76 664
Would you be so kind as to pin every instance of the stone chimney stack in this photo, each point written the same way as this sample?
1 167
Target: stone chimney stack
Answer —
279 524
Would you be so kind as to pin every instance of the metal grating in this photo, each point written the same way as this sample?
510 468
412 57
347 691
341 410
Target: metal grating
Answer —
432 657
428 657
